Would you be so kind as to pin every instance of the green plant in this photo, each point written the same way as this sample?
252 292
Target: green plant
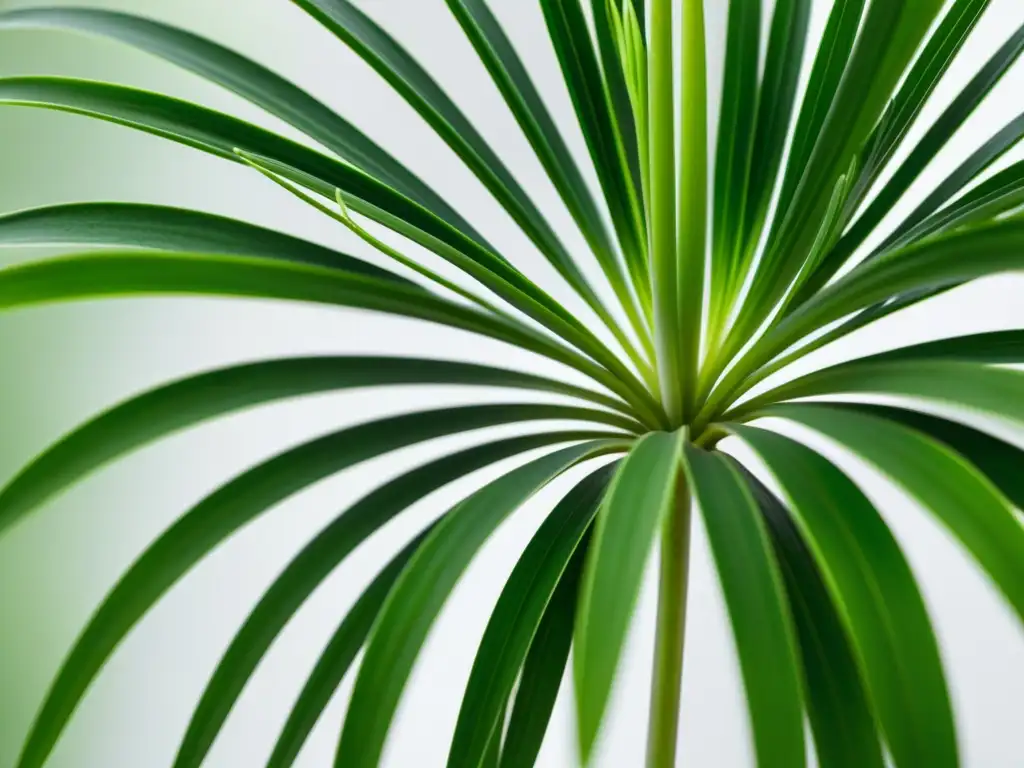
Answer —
827 616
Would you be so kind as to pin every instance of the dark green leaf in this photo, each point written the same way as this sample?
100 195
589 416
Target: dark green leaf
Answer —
883 611
309 569
543 671
516 618
420 593
216 518
755 598
249 80
843 724
641 495
112 274
170 229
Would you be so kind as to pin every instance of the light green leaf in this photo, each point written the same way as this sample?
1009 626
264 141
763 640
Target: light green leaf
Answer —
641 495
957 494
422 590
516 617
756 601
880 604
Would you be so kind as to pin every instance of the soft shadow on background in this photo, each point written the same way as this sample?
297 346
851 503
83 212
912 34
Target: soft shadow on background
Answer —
61 364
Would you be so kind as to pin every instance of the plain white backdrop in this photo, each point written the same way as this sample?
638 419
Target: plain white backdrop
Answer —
137 712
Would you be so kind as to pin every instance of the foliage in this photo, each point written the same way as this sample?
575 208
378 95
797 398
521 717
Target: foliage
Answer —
828 619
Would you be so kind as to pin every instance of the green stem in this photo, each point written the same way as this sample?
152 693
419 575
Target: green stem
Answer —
668 652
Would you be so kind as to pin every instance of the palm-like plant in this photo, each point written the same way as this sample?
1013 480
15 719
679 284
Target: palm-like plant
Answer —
827 617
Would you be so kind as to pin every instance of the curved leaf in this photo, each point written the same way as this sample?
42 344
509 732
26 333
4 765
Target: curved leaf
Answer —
755 598
638 500
959 496
338 655
414 84
997 459
121 273
843 724
421 591
170 229
213 520
543 671
881 606
516 617
249 80
307 571
184 403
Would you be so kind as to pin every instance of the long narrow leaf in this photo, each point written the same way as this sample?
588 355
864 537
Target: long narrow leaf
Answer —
112 274
313 565
845 735
956 493
882 608
638 500
249 80
420 593
517 617
756 600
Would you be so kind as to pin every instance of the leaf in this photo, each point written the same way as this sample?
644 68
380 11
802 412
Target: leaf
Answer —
516 617
734 152
338 655
787 41
159 412
308 570
843 724
956 493
570 36
126 273
249 80
875 590
984 390
234 139
414 84
637 502
937 136
509 74
422 590
213 520
543 671
758 610
173 229
997 459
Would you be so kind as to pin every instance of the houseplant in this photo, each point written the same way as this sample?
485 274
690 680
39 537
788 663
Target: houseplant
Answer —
827 616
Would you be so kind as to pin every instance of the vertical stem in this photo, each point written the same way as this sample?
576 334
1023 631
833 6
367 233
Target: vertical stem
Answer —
668 652
693 193
662 232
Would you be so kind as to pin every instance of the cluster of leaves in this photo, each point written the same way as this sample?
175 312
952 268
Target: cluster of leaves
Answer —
827 616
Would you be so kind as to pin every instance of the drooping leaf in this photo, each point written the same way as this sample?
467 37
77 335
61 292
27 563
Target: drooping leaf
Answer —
543 670
123 273
756 601
843 724
880 604
639 498
251 81
169 229
159 412
213 520
309 569
517 617
956 493
422 590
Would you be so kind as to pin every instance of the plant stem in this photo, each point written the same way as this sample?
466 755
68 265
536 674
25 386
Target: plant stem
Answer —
671 631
